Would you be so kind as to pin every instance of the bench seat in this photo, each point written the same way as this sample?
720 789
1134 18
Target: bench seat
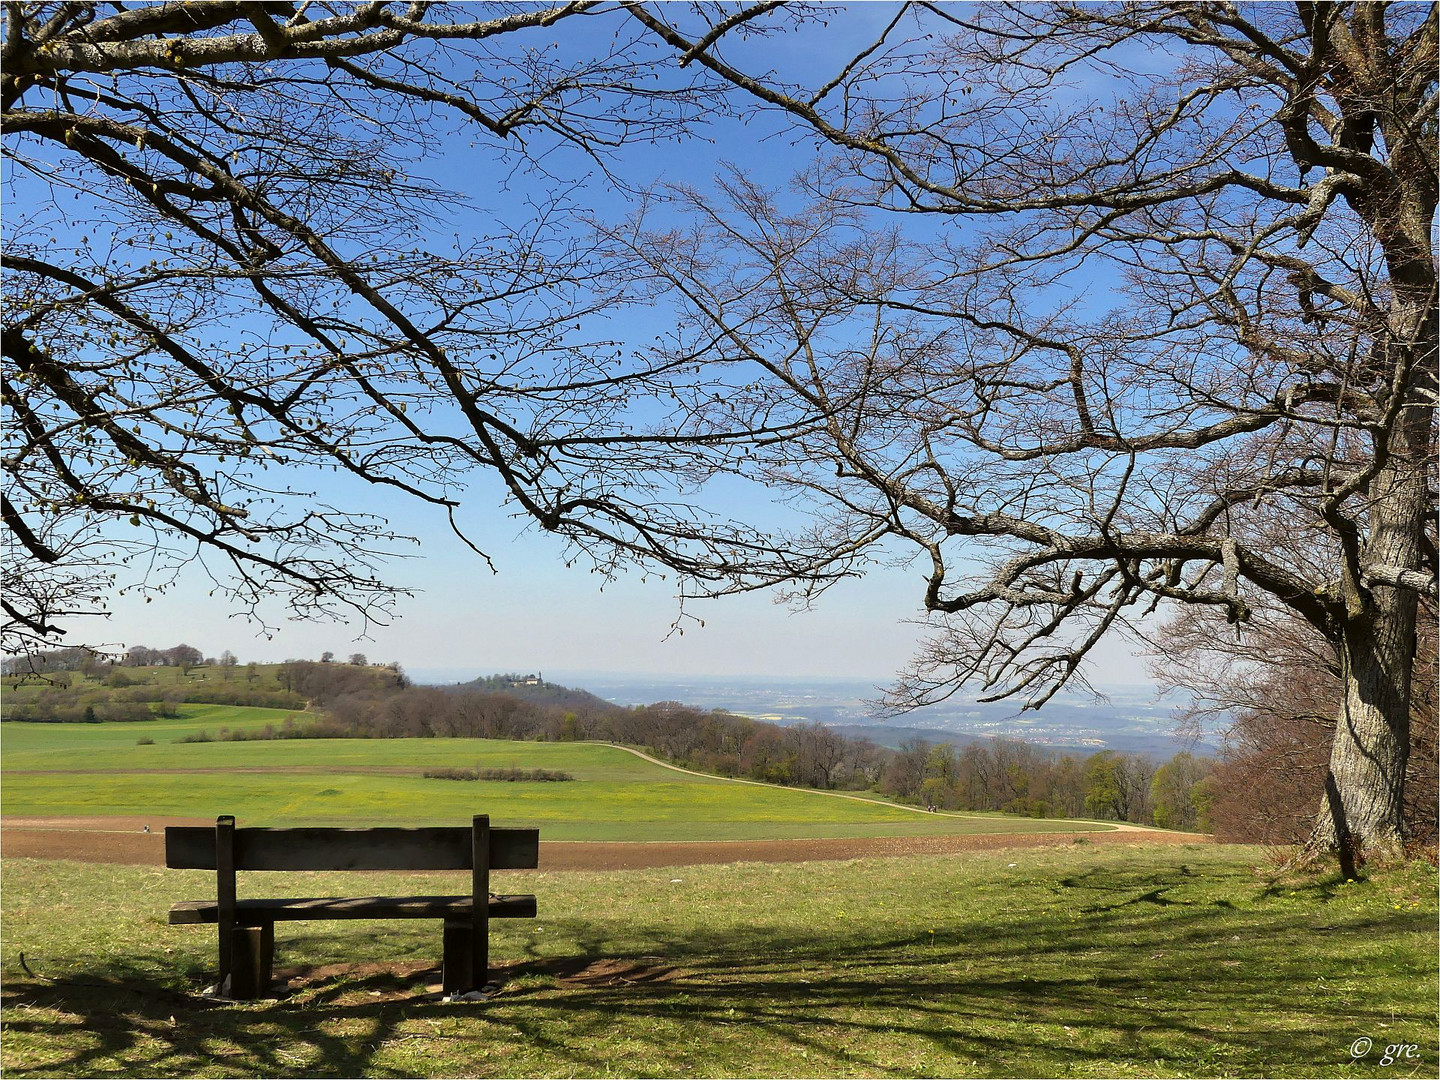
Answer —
253 912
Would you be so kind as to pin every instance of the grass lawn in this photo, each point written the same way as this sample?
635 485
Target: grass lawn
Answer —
1076 961
98 769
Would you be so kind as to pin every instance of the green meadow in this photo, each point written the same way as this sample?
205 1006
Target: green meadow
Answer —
1083 960
1078 960
55 770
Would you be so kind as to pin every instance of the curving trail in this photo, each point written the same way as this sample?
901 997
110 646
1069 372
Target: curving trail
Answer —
1105 826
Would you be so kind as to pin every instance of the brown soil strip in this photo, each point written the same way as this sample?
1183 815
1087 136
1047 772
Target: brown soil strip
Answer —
562 855
121 840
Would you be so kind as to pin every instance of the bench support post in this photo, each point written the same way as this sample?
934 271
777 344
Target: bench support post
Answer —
225 894
457 975
252 949
480 913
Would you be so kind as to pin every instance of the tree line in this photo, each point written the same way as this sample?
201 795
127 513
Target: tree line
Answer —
90 661
1019 778
80 686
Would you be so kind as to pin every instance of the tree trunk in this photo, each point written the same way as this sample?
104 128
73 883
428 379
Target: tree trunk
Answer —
1363 812
1362 815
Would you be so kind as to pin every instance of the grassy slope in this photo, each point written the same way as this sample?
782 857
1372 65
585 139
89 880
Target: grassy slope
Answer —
23 689
336 782
1080 961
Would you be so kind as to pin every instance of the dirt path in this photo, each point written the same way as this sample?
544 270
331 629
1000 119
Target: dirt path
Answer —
123 840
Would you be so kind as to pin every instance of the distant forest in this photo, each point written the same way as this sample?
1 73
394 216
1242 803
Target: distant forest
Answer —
357 699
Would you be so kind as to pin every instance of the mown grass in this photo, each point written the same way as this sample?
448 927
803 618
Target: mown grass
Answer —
358 782
1079 961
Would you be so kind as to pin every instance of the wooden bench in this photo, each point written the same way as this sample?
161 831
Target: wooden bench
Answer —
247 927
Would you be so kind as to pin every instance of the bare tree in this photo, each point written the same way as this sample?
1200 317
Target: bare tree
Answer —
905 774
819 753
1157 282
223 269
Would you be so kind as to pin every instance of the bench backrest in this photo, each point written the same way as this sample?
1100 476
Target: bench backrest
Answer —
190 847
228 850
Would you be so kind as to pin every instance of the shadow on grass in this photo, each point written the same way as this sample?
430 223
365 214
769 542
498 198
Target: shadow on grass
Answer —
140 1028
1321 889
1180 985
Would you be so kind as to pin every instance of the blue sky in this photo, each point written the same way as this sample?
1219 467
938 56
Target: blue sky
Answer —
534 613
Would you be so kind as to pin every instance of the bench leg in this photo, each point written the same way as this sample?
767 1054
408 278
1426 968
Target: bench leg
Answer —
267 955
480 954
457 976
251 952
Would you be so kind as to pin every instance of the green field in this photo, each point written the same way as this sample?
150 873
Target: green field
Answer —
1078 961
98 769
